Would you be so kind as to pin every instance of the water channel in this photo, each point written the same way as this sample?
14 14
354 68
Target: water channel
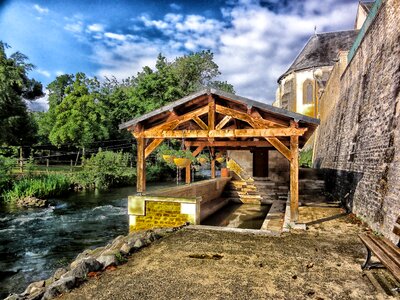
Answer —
35 242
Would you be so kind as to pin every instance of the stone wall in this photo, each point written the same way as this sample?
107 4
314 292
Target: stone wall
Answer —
172 207
358 142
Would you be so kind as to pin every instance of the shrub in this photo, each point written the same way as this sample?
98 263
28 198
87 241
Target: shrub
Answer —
6 165
105 169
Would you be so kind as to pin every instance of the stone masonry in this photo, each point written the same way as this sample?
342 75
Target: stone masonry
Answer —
358 142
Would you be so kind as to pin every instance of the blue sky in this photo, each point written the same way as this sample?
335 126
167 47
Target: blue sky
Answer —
253 41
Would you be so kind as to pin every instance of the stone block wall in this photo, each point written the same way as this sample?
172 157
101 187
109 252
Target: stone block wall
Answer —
358 142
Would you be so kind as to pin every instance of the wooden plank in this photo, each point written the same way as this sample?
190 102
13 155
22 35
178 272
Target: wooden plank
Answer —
223 133
390 249
141 166
235 114
294 178
396 230
280 147
223 122
200 122
383 257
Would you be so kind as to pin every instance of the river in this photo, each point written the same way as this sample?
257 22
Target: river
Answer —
35 242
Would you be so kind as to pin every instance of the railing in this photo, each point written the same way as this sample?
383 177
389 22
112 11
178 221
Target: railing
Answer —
368 21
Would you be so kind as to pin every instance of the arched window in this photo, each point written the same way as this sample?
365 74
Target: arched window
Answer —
308 92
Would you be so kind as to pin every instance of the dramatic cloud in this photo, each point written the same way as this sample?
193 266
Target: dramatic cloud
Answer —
96 27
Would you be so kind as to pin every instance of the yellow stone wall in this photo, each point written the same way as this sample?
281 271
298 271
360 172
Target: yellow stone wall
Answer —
159 215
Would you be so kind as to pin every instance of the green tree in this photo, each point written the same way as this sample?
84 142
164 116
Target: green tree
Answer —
80 118
17 125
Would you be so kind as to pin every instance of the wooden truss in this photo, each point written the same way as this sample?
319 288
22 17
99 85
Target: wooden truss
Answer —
221 125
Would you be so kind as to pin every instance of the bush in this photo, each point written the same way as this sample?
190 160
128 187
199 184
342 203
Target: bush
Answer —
6 165
106 169
306 158
42 186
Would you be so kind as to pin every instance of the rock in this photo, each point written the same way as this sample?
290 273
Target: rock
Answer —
81 269
64 284
36 294
33 286
139 244
32 202
108 260
310 265
126 249
85 254
58 273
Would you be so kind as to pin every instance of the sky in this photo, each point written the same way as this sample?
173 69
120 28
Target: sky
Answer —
253 42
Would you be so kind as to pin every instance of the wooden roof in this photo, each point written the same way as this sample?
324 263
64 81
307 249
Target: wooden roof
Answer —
235 112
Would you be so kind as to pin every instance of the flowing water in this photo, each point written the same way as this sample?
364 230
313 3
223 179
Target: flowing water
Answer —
35 242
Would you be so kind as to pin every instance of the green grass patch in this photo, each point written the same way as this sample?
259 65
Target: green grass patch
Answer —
41 186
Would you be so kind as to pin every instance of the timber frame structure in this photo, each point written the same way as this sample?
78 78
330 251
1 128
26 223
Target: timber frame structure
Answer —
219 120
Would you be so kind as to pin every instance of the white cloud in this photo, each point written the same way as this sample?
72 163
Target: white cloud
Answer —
76 27
252 45
115 36
59 73
41 10
43 72
96 27
41 104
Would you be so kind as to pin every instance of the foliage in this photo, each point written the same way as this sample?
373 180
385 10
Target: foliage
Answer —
39 186
17 126
106 169
80 118
6 165
184 154
305 159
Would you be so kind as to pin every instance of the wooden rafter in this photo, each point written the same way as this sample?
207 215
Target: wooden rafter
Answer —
223 122
228 144
200 122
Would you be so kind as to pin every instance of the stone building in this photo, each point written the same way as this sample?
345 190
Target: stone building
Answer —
358 140
300 86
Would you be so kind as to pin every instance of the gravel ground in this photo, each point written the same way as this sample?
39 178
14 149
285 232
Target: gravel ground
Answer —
320 263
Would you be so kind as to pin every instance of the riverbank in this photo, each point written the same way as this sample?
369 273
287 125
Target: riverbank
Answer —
320 263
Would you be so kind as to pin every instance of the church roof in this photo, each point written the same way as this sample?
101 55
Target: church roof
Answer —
367 5
322 50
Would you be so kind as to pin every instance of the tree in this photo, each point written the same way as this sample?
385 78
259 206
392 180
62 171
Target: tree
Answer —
17 125
80 117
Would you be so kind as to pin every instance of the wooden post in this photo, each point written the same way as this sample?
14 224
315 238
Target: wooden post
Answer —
21 160
70 168
141 166
294 179
187 175
212 163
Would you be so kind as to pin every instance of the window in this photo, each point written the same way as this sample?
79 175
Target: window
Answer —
308 92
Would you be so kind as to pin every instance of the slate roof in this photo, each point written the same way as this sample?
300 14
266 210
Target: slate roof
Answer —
322 50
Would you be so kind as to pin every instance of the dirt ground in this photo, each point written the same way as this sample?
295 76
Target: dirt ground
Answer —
320 263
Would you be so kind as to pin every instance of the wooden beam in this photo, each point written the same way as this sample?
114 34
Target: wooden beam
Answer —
141 166
200 122
223 133
198 150
280 147
212 163
152 146
294 179
179 119
211 112
235 114
223 122
188 179
228 144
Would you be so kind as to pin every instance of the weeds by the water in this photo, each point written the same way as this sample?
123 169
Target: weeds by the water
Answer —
40 186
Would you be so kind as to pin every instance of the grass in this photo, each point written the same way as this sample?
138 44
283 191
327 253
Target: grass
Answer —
39 186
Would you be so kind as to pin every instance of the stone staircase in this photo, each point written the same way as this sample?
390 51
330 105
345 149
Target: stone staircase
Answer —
242 192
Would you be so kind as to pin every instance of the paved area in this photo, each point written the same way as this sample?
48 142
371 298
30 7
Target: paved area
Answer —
320 263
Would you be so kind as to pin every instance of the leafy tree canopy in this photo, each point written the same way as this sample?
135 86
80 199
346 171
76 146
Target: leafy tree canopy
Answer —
17 126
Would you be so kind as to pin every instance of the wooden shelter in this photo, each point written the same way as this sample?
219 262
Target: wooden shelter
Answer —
220 120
